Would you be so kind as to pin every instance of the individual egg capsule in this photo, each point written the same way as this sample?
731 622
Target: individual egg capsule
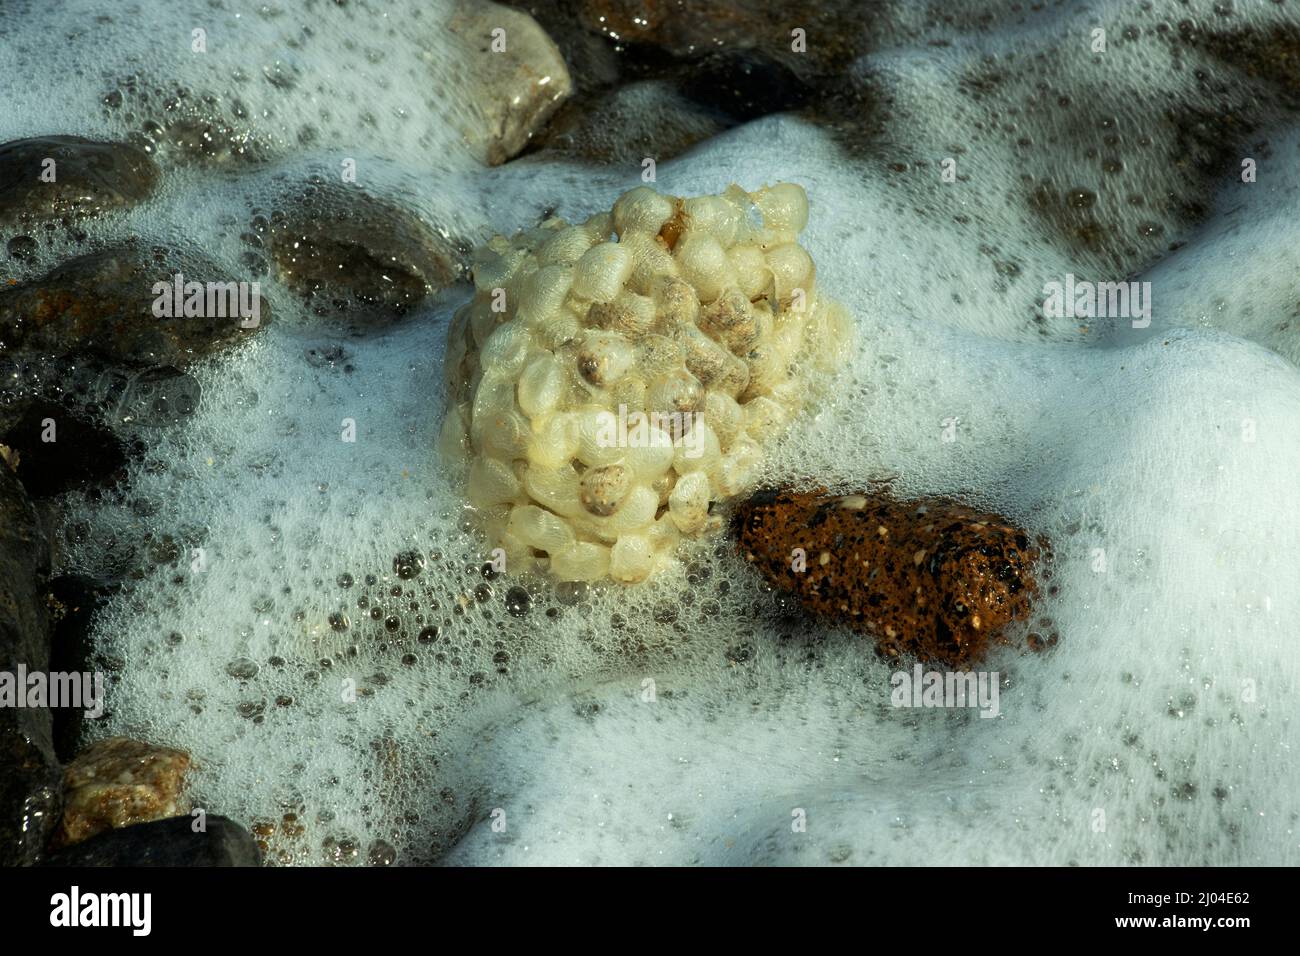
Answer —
630 314
506 349
725 417
541 385
491 482
492 269
602 436
829 334
601 272
638 510
502 433
584 561
792 268
786 337
664 537
704 264
698 451
790 395
737 471
631 559
599 226
453 438
765 417
651 259
676 304
731 320
554 443
767 368
649 451
628 391
677 391
753 274
565 247
602 358
713 365
602 490
483 321
783 206
688 505
495 521
714 215
542 294
657 356
493 396
663 486
556 489
641 210
559 329
540 529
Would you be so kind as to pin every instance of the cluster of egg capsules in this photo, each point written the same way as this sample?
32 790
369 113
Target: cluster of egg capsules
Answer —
609 380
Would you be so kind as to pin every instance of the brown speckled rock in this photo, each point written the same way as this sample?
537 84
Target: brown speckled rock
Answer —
930 577
118 782
102 303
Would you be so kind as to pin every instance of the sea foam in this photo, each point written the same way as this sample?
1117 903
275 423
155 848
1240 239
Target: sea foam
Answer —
687 720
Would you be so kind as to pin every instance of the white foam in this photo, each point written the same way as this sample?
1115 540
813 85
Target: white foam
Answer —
1137 448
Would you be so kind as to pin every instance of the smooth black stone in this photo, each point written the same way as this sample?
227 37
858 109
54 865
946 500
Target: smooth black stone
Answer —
170 842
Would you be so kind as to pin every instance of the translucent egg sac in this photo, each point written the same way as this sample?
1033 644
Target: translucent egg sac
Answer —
611 381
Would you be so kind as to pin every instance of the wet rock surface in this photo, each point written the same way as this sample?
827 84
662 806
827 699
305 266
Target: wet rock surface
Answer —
929 577
649 118
170 842
30 794
119 782
85 179
73 601
520 78
102 303
61 449
342 249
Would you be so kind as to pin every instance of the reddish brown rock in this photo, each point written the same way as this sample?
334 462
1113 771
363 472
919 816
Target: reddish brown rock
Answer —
929 577
118 782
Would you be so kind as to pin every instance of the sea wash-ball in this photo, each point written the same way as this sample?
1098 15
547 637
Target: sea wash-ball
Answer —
611 381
